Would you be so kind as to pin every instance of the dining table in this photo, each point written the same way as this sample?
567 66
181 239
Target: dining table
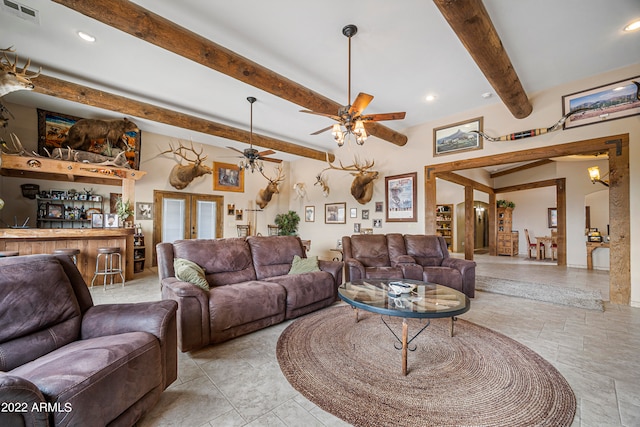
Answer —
544 241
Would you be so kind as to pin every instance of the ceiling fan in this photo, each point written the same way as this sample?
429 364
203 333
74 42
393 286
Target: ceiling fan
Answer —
350 116
252 158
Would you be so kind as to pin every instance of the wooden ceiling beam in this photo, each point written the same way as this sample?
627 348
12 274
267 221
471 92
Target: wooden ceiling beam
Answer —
471 23
132 19
84 95
520 168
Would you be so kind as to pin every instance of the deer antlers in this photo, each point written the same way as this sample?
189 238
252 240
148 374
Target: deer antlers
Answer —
182 175
362 185
11 79
265 194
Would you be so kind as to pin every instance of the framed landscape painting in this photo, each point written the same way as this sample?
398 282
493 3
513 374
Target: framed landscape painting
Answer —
457 137
53 129
335 213
609 102
228 177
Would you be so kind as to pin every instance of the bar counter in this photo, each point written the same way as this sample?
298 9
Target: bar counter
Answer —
29 241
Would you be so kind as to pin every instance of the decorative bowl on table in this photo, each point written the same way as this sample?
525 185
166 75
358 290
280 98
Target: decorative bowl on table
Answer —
399 288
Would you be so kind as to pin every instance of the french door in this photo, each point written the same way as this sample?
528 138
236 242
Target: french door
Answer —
186 216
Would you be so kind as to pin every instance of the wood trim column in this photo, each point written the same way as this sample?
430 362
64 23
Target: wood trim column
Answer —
619 223
470 223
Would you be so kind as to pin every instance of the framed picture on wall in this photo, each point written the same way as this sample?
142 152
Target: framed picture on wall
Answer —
309 213
552 217
401 195
53 129
457 137
228 177
335 213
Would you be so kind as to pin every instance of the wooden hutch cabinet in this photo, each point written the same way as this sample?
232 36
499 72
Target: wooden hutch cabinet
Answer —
507 241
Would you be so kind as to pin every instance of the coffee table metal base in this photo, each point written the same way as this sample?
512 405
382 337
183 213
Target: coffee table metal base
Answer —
404 340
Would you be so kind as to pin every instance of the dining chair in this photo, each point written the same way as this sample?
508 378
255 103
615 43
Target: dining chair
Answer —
532 247
554 244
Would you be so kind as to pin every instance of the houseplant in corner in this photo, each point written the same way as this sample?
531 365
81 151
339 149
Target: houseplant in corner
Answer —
287 223
124 210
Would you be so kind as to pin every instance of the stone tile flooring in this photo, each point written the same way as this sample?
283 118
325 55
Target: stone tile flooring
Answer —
239 383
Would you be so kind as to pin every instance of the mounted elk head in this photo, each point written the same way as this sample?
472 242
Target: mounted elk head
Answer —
362 185
182 175
265 194
11 79
322 182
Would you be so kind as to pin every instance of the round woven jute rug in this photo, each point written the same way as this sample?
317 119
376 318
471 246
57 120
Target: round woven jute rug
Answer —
478 377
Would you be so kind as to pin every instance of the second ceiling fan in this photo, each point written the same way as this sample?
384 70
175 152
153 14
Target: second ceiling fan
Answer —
252 158
351 116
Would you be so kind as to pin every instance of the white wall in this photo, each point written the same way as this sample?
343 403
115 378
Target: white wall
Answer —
393 160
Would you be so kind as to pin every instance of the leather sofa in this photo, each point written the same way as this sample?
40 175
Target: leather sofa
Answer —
66 362
250 287
397 256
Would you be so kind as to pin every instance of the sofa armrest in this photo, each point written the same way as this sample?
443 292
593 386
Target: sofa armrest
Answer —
19 395
459 264
354 270
193 320
157 318
333 267
467 269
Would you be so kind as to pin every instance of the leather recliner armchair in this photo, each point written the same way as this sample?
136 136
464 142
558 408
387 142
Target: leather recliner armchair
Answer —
64 361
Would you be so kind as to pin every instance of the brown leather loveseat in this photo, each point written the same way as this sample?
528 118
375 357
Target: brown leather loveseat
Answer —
64 361
249 286
409 256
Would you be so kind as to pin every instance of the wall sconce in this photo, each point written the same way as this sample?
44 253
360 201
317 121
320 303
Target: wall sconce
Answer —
594 174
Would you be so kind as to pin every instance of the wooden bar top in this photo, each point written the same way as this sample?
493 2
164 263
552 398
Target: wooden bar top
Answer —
28 241
56 233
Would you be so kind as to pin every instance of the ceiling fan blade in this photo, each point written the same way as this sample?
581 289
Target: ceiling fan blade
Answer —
384 116
360 103
322 130
267 159
334 117
235 149
266 153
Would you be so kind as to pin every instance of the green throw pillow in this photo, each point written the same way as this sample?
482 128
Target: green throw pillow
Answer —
189 271
304 265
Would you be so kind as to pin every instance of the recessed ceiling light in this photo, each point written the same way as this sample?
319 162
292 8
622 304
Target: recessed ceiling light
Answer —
487 95
86 37
430 98
635 25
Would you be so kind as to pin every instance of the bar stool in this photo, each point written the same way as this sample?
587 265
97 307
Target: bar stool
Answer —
71 253
111 269
4 254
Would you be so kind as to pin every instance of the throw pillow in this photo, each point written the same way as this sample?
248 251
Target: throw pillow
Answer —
304 265
189 271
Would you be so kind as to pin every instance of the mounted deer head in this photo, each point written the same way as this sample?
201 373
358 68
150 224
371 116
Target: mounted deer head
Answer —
182 175
362 185
322 182
265 194
11 79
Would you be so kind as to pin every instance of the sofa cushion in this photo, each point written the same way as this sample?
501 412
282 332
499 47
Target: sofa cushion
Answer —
189 271
224 261
273 255
305 289
426 250
241 303
304 265
99 378
383 272
370 249
38 310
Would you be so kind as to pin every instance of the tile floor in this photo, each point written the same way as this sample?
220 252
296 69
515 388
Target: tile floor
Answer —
239 383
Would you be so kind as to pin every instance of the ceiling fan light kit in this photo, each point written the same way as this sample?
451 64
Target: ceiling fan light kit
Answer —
252 159
350 119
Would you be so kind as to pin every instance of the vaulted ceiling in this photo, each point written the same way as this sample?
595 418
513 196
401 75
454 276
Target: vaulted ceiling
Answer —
201 59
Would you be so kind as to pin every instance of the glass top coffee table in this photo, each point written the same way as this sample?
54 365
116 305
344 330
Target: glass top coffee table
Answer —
407 299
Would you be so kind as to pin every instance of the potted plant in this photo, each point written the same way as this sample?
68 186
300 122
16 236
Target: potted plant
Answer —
287 223
124 209
505 204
